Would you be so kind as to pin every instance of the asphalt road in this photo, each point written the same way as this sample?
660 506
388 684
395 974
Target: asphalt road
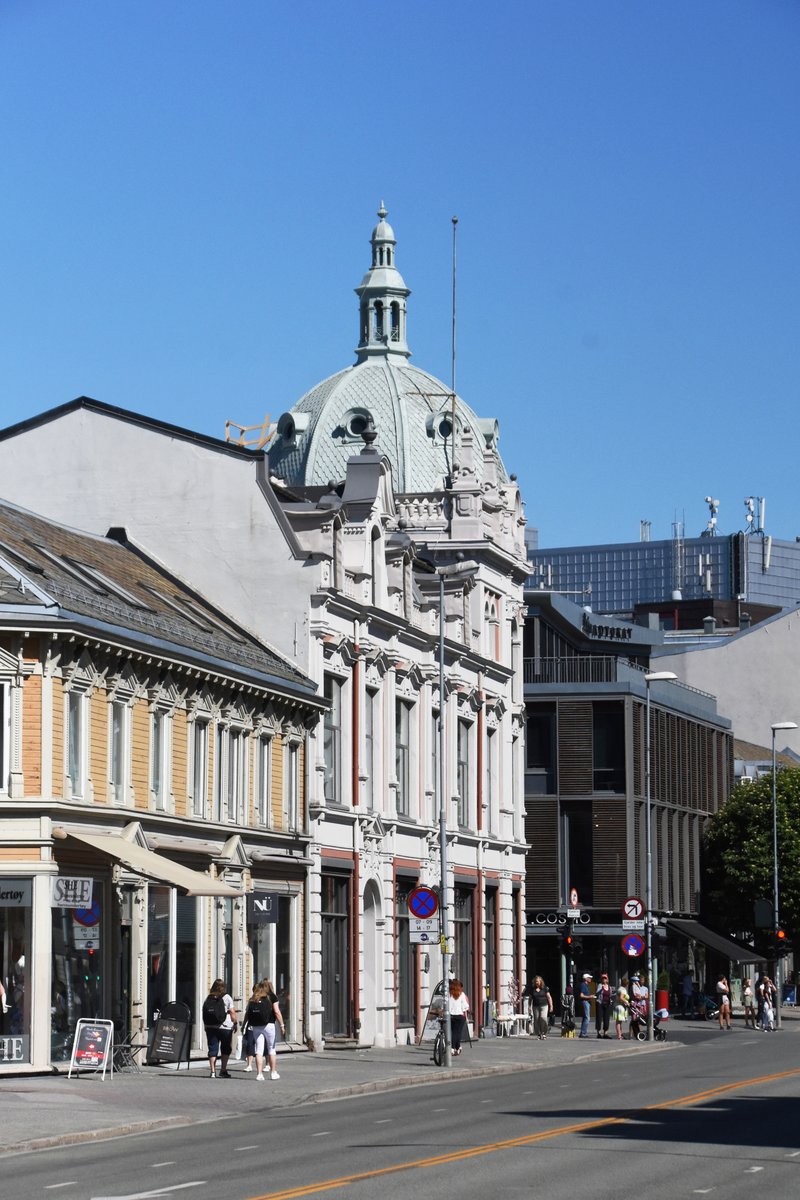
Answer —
719 1116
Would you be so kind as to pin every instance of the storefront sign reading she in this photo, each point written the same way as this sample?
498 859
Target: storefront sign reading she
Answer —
70 891
14 1049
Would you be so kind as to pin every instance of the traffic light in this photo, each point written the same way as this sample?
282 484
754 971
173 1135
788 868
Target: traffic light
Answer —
567 940
781 942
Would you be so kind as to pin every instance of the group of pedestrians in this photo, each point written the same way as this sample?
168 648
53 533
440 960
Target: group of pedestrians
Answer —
258 1029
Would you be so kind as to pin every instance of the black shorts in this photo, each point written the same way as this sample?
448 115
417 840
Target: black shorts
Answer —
220 1041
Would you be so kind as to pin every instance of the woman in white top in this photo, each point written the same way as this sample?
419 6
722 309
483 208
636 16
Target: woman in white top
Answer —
724 1000
749 1008
459 1007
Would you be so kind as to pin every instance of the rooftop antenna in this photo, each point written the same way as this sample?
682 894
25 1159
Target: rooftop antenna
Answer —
453 356
713 508
754 520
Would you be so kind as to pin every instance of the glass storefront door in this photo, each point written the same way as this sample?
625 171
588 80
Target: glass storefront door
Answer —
15 959
77 977
271 948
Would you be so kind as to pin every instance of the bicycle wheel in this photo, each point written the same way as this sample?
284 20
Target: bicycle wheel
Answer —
438 1049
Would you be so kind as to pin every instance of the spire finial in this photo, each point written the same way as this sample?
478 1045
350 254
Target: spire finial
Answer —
382 213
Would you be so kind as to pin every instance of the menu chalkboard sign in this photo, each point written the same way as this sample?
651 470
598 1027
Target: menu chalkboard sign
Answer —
171 1036
92 1047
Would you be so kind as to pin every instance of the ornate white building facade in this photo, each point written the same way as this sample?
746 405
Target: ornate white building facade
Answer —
316 547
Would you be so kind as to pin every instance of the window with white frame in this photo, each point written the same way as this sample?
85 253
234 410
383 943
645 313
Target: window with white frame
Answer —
199 766
160 758
332 741
119 750
264 780
5 736
371 724
291 786
490 779
232 774
76 750
402 755
463 771
434 737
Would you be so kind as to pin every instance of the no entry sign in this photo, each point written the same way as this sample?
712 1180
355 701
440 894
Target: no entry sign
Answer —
423 902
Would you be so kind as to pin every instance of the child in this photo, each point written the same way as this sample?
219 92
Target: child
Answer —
621 1009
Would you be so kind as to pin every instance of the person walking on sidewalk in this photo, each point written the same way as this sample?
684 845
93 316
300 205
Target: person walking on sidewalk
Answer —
585 998
459 1007
621 1009
219 1019
747 1000
602 1007
262 1013
541 1007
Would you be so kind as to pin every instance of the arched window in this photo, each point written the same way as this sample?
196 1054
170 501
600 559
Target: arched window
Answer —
378 319
395 321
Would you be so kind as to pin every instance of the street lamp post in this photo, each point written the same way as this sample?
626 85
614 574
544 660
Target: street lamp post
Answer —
459 571
775 893
651 677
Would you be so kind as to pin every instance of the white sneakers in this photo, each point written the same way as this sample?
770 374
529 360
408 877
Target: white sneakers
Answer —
249 1067
260 1076
274 1075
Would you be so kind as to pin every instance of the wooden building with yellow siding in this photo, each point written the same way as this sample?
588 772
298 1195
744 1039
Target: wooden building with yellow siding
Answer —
146 742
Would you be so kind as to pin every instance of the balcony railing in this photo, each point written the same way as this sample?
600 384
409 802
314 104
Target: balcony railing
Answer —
578 669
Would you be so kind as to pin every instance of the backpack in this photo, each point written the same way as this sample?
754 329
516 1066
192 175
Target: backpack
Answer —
259 1012
214 1011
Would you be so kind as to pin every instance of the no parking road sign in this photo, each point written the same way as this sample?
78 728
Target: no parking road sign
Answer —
423 903
632 945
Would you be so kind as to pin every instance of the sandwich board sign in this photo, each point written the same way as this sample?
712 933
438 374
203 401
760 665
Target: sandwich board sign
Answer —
92 1047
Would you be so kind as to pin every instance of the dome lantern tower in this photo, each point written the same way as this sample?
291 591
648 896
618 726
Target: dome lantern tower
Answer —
382 294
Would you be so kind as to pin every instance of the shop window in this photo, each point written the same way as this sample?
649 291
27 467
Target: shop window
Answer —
462 937
78 985
540 749
186 951
271 948
332 741
15 960
5 736
608 746
406 958
159 912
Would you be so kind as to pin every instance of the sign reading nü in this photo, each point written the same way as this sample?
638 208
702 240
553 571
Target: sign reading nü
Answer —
262 908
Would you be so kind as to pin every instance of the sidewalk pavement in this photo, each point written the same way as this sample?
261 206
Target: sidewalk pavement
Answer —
45 1111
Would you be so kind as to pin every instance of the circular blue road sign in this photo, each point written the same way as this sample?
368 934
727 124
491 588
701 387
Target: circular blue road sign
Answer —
423 902
632 945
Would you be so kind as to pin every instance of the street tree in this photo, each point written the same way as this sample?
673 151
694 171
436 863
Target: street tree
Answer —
739 861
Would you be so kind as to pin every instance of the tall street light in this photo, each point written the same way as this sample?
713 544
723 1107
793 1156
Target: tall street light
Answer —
651 677
459 571
775 894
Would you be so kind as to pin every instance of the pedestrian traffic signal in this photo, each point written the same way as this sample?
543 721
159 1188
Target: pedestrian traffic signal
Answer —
567 939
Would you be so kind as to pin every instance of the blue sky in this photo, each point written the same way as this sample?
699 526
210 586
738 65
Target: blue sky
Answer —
187 192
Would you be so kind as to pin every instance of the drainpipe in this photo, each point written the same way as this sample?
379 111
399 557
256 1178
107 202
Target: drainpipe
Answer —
354 758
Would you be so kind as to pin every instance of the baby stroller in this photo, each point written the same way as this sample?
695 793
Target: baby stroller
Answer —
639 1021
660 1018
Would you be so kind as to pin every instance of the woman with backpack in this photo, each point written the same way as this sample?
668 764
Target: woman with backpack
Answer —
219 1019
263 1011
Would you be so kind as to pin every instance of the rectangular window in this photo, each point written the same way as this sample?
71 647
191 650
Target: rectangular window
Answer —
119 751
199 767
16 964
406 958
264 781
402 750
608 745
462 938
490 943
221 774
578 851
540 750
236 775
370 753
75 746
160 757
5 736
332 741
291 791
490 779
435 760
462 766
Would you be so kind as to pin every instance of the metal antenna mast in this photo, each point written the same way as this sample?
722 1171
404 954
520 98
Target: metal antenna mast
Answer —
453 361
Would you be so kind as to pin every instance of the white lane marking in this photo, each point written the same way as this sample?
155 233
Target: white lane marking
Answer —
168 1163
324 1133
794 1154
440 1110
236 1149
176 1187
752 1170
384 1121
702 1191
67 1183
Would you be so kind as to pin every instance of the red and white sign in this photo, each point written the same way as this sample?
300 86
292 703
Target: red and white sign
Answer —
573 897
633 908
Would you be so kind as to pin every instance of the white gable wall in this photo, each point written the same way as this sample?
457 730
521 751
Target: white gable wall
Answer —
197 509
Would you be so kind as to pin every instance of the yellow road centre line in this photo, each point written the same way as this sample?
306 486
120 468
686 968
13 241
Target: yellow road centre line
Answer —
513 1143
